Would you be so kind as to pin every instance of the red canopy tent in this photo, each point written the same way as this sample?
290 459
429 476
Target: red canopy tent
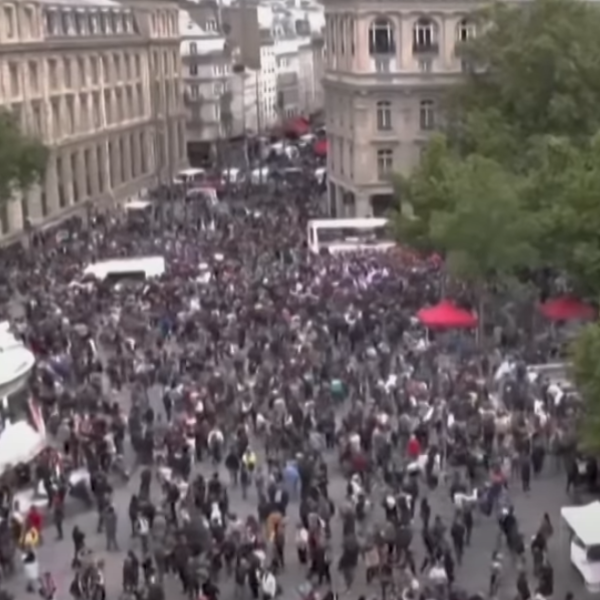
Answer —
298 127
320 147
446 315
567 308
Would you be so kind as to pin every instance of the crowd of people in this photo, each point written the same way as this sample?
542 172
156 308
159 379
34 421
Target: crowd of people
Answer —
280 373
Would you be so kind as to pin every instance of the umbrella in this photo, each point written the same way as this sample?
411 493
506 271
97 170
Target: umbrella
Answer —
446 315
320 147
566 308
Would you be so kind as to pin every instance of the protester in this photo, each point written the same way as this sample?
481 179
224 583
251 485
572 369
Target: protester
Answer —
288 369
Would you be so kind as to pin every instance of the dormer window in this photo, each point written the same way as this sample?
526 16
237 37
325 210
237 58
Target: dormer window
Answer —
103 23
125 23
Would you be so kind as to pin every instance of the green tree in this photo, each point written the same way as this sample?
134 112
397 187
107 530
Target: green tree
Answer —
535 72
470 211
529 105
586 374
23 158
563 190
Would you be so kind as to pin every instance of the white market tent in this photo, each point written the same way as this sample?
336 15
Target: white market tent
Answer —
584 522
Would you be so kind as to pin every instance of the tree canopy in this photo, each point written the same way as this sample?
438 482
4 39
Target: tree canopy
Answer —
513 180
23 158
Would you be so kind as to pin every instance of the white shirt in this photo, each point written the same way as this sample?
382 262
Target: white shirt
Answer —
269 584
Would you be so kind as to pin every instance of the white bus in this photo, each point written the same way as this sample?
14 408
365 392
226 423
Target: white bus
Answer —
144 267
345 235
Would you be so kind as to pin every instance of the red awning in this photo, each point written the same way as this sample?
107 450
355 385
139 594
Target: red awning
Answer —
320 147
298 127
446 315
566 308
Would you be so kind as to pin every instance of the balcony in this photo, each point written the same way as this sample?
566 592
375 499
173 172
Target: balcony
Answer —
384 64
428 48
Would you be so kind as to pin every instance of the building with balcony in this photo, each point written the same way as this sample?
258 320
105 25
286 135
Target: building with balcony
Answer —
208 81
387 65
99 83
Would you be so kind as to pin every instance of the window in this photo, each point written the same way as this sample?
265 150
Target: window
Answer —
108 107
465 31
140 98
53 73
30 21
74 178
381 37
384 116
71 124
130 112
34 79
427 114
50 22
67 79
117 65
83 113
87 164
194 91
66 22
385 163
93 24
103 23
424 38
138 65
115 19
194 70
96 110
94 69
126 22
119 105
143 150
81 79
105 69
9 19
36 114
218 89
193 48
101 168
80 23
55 108
122 173
127 66
13 69
211 25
